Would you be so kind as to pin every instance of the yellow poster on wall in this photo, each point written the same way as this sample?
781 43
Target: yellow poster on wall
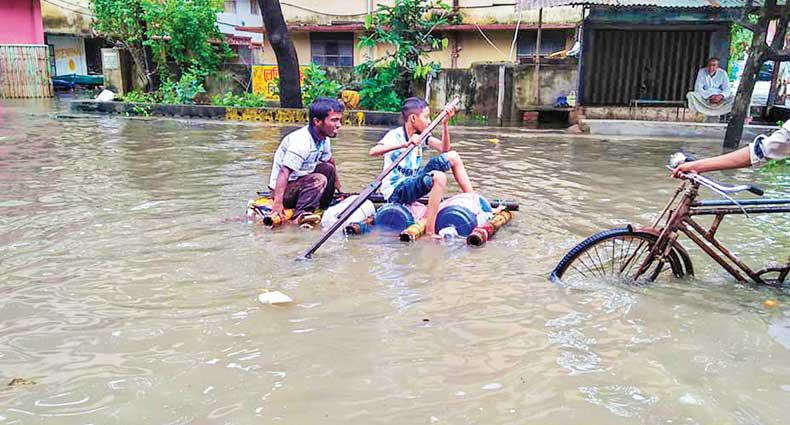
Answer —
265 80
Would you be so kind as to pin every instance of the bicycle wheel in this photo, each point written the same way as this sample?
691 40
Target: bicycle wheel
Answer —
618 254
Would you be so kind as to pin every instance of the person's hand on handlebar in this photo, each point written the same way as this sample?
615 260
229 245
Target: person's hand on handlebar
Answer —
685 168
736 159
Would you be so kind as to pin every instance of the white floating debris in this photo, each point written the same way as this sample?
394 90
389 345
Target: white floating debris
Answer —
106 96
274 298
493 386
689 399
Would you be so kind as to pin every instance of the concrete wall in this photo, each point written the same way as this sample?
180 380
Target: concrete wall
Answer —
556 79
73 17
478 88
20 22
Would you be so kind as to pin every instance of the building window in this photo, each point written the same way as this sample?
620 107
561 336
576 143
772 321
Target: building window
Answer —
230 6
255 8
550 41
332 49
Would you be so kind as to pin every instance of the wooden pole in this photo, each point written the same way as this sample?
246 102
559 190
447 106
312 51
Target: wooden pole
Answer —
537 57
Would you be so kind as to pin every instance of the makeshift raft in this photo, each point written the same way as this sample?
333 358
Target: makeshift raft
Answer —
466 215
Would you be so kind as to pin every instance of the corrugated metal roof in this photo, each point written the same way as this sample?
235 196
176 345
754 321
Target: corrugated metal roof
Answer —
674 4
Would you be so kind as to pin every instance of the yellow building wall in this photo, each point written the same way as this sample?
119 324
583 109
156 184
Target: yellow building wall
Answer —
327 12
474 48
301 42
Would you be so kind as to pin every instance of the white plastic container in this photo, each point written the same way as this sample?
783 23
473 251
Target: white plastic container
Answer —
332 214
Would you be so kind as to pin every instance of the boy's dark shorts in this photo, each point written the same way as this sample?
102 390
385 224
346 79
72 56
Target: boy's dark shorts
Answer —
418 185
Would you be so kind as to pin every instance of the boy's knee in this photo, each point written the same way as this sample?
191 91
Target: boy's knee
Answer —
453 157
439 179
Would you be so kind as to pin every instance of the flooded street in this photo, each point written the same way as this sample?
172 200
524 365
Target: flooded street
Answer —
129 289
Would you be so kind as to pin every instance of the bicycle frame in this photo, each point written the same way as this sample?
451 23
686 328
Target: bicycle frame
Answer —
681 219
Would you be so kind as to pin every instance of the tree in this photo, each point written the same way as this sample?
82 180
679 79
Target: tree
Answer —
185 32
759 52
287 61
122 21
180 31
408 26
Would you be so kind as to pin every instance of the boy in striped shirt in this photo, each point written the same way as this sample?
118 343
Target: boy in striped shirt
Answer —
408 182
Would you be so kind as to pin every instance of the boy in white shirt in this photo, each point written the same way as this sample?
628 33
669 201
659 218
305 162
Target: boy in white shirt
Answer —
408 182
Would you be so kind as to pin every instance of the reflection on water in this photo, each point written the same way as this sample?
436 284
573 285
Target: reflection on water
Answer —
130 297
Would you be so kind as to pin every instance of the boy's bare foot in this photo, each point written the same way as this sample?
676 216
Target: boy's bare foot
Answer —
434 236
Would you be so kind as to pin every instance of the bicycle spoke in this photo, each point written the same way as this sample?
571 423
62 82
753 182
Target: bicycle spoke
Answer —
579 271
592 260
613 257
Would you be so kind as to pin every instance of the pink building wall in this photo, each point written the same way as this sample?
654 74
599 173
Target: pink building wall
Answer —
20 22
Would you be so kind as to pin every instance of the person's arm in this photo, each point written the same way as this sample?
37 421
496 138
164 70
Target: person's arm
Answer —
736 159
384 146
279 189
337 175
444 144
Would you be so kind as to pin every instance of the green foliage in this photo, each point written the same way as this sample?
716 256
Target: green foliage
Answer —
377 89
136 96
120 20
185 31
180 31
184 90
316 84
246 100
409 27
740 40
181 92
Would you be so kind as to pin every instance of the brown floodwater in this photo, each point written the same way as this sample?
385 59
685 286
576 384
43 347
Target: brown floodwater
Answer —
129 291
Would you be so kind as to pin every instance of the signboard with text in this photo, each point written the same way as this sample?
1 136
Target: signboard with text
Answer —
265 80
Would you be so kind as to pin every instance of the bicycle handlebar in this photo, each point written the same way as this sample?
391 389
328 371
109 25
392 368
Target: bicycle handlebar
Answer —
721 187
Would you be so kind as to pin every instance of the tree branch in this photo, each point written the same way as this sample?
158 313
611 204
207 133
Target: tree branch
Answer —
778 55
748 25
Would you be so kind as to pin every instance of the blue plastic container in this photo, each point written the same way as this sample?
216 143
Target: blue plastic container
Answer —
462 218
394 217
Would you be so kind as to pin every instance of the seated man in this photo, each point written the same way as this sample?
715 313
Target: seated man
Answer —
408 182
775 146
303 172
711 95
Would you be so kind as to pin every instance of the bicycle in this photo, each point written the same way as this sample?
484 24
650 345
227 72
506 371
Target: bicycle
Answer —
641 254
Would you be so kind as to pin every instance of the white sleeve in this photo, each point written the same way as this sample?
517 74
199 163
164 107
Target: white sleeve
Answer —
775 146
295 155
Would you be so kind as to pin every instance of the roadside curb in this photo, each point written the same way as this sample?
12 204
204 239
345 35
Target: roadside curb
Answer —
670 129
266 114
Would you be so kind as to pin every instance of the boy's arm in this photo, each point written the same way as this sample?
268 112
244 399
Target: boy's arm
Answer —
384 146
444 144
738 159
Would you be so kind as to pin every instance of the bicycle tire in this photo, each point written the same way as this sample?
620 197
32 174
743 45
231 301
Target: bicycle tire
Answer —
678 260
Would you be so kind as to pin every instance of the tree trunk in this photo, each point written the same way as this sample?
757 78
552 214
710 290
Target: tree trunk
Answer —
758 54
140 80
743 98
287 61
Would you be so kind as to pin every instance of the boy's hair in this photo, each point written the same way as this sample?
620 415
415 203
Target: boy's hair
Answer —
322 106
412 105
